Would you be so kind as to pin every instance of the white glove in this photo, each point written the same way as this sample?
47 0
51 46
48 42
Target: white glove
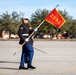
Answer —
27 39
35 30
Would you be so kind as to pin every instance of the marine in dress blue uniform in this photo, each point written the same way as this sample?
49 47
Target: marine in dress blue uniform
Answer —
27 49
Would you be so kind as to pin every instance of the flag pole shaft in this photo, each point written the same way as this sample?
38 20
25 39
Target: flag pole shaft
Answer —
31 35
36 27
19 48
28 37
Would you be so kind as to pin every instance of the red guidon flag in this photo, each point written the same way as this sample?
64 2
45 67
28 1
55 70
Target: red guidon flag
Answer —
55 18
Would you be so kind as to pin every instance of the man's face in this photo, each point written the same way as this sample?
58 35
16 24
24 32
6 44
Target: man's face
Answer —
25 21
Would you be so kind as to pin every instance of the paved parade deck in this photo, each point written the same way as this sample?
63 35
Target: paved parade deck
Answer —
59 60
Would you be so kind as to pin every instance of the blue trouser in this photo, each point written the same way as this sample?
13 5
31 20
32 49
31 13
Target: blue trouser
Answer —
27 52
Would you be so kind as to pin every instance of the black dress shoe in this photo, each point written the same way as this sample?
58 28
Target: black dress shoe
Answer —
31 67
23 68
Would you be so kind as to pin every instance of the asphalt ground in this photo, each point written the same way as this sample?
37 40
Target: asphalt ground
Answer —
59 60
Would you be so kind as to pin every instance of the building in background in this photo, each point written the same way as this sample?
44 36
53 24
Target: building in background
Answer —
6 35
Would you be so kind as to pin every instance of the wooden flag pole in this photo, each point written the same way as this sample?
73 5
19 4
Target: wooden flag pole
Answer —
31 34
28 37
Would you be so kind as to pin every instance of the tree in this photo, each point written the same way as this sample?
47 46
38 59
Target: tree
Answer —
4 21
10 22
39 15
37 18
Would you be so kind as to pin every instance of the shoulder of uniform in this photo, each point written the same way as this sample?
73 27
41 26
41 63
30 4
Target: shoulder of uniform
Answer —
21 27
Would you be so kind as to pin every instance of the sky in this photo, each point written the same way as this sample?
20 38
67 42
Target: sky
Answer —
30 6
